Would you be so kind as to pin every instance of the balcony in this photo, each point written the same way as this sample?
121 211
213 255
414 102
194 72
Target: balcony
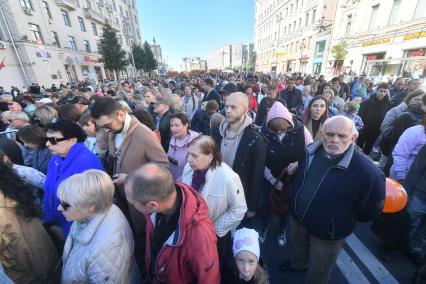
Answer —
69 4
94 15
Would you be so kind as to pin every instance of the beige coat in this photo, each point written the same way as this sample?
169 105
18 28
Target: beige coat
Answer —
26 251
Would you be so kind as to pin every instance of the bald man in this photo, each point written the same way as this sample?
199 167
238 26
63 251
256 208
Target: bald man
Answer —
244 150
181 238
336 187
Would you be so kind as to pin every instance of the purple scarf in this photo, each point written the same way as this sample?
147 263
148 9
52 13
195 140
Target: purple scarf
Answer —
198 179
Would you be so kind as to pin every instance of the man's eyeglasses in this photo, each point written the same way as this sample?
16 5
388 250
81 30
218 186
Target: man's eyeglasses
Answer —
54 140
65 205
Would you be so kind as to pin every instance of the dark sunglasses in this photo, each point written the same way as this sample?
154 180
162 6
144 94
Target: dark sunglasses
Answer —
54 140
65 205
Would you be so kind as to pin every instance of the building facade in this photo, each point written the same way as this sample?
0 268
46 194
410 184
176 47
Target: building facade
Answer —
384 38
292 35
194 64
55 41
230 56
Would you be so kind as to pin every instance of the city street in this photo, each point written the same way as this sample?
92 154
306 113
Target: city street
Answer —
358 262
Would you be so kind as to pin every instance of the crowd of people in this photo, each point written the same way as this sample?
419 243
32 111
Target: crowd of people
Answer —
177 180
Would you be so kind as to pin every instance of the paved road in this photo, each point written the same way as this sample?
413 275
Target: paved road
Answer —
358 262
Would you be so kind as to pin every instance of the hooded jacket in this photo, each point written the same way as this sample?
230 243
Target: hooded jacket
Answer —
391 116
78 160
372 113
178 150
407 148
288 149
189 255
224 195
249 162
415 182
229 145
352 191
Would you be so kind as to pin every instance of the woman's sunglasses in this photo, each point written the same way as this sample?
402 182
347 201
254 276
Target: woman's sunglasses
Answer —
65 205
54 140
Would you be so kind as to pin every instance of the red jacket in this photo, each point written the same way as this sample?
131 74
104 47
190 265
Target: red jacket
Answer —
190 254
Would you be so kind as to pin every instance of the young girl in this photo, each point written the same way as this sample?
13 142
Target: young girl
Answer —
246 267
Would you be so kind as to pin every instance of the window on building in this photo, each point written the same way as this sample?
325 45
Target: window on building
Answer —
94 29
72 44
285 30
289 28
314 12
291 9
46 9
87 46
66 18
294 26
55 39
114 7
394 12
420 9
300 23
35 32
297 4
77 3
88 4
307 19
373 17
82 25
348 24
27 4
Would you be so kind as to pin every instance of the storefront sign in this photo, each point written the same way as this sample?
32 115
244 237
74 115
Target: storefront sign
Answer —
372 57
414 35
376 42
88 59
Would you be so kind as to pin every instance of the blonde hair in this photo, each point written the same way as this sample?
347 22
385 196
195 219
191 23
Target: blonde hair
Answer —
46 114
90 188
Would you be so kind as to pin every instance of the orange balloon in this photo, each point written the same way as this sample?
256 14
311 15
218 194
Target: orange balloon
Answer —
396 197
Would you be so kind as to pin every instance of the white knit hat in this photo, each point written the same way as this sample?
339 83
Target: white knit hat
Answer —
248 240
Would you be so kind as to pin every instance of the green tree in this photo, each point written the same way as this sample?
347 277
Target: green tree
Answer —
113 56
139 56
149 63
340 50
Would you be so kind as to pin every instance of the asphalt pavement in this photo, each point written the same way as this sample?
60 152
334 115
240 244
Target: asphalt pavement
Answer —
358 261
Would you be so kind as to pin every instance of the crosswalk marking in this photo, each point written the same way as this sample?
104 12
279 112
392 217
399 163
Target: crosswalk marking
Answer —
349 269
376 268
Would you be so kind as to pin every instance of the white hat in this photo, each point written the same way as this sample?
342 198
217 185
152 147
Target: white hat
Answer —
248 240
44 101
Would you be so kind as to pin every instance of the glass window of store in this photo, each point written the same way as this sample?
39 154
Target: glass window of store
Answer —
82 25
35 32
72 44
66 18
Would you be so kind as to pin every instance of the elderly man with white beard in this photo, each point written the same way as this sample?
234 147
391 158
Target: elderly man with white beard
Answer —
336 187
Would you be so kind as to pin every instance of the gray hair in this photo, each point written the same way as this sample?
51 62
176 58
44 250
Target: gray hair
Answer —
90 188
20 115
6 114
344 118
46 114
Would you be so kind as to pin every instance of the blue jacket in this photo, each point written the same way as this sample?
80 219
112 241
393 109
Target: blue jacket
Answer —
78 160
354 190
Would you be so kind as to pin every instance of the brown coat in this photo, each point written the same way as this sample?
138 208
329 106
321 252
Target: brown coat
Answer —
139 146
26 251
